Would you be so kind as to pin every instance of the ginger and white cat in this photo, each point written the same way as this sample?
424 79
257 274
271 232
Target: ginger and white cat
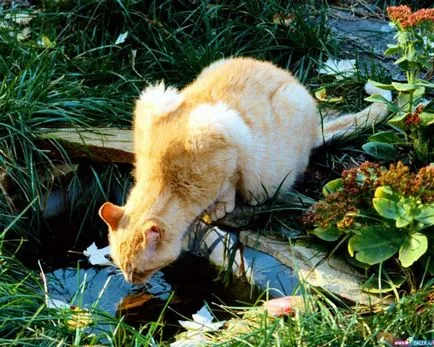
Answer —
243 126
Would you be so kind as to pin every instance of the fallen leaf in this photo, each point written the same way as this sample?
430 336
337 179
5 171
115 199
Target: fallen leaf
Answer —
321 95
98 256
22 18
121 38
24 34
202 321
386 338
79 318
338 68
286 305
206 219
195 335
282 19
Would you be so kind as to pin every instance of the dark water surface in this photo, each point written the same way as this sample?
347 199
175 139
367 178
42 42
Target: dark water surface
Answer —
191 279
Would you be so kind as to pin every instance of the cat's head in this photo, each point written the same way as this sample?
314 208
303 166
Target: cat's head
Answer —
138 247
184 153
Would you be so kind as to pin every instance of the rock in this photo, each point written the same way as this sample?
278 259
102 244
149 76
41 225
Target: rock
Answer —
366 35
333 275
98 144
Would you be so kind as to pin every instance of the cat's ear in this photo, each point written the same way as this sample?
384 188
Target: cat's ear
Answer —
158 100
111 214
153 236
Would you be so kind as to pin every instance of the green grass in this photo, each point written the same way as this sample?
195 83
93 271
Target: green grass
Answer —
25 319
326 324
70 72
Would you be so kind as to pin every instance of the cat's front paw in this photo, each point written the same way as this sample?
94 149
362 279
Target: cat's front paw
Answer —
217 212
219 209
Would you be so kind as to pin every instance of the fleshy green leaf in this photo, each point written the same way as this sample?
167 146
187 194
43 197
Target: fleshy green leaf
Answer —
426 215
400 60
371 285
381 99
412 249
427 118
425 84
398 118
377 98
386 202
375 244
385 137
329 234
382 85
404 97
402 222
404 87
411 53
380 150
387 193
332 186
392 50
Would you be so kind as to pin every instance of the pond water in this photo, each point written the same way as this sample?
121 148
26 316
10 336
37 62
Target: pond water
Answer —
189 282
191 279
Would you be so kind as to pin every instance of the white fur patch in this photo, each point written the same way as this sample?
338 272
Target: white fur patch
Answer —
371 90
163 100
219 117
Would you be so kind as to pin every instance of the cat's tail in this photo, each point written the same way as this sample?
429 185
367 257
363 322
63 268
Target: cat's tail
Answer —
350 123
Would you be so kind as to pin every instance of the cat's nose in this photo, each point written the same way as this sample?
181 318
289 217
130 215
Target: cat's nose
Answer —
128 276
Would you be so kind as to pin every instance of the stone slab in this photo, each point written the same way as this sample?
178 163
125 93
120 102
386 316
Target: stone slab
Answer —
98 144
333 274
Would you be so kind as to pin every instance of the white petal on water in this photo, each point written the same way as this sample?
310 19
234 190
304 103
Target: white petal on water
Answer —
203 316
98 256
202 321
54 303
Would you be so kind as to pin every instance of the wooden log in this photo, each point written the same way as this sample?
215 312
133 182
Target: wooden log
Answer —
97 144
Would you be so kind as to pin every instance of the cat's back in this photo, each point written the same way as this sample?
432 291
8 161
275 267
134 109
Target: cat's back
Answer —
253 88
235 77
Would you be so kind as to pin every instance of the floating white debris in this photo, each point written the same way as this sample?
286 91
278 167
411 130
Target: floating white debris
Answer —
22 18
202 323
24 34
121 38
338 68
57 304
98 256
